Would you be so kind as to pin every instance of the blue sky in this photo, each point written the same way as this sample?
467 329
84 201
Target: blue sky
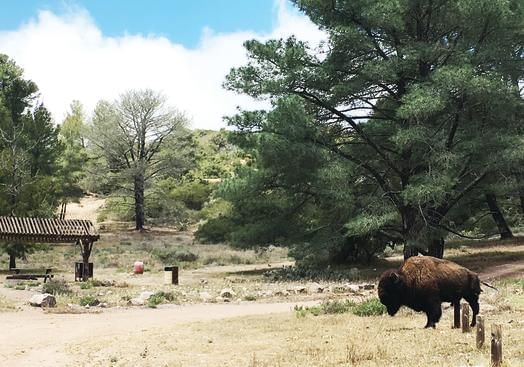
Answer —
179 20
89 50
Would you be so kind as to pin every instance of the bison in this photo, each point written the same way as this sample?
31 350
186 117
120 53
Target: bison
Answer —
423 282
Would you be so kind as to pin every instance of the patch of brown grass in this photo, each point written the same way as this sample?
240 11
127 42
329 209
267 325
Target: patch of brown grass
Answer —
6 305
328 340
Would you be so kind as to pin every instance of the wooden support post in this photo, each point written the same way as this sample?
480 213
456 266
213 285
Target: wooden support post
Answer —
465 318
85 249
480 331
456 315
496 345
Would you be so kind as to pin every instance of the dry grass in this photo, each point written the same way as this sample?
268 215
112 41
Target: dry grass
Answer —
279 340
329 340
6 304
120 250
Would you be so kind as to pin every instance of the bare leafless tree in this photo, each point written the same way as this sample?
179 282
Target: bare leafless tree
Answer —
130 132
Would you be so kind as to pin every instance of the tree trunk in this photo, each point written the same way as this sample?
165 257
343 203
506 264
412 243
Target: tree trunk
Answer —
63 208
498 217
85 248
12 261
521 197
518 177
139 202
410 251
436 248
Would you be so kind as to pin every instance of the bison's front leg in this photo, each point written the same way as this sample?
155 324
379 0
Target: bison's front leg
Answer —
433 312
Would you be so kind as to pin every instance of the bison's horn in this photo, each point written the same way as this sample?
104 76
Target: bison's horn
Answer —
395 277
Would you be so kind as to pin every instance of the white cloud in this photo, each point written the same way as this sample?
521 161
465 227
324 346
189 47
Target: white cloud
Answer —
69 58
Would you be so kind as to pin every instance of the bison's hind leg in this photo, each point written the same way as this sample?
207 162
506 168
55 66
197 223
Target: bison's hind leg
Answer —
473 300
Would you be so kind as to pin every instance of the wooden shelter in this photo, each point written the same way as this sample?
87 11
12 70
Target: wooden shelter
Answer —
50 230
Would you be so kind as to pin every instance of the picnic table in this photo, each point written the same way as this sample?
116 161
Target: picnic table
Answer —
30 274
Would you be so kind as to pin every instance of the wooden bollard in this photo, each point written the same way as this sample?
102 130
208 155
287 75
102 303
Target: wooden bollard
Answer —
480 331
465 318
456 315
496 345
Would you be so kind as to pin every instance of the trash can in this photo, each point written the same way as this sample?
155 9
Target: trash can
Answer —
138 267
171 275
79 271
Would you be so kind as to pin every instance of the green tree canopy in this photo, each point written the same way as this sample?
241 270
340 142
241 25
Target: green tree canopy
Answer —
404 113
29 151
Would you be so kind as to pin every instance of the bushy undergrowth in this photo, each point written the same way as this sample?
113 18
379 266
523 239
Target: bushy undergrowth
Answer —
370 307
56 287
159 298
175 255
89 301
289 273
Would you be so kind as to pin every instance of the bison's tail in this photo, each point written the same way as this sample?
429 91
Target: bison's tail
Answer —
489 285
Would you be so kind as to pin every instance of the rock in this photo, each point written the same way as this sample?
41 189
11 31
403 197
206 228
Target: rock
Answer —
43 300
315 288
141 299
282 293
136 302
103 305
337 289
267 293
219 299
227 293
87 307
203 281
145 295
205 296
299 289
353 288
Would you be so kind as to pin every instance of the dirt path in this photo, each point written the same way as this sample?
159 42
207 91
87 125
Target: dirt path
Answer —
87 208
513 269
31 337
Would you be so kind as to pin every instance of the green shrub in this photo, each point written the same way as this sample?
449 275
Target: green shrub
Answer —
288 273
159 298
337 307
86 285
56 287
89 301
102 283
175 255
250 297
168 296
302 311
193 194
215 230
370 307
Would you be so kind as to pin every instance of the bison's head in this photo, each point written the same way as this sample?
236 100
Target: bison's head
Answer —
389 290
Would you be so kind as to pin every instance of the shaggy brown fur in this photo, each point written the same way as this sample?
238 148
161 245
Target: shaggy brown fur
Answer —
424 282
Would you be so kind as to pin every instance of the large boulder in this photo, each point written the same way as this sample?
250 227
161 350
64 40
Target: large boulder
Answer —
43 300
141 299
227 293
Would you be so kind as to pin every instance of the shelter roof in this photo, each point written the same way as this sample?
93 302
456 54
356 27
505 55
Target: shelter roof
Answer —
47 230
